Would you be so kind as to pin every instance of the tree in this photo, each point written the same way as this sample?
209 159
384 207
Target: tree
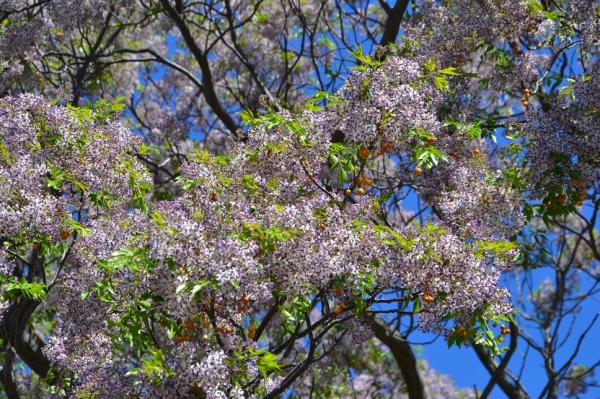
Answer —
264 258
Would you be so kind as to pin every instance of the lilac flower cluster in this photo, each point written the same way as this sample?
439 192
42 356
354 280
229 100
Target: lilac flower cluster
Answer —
42 142
386 102
255 224
563 140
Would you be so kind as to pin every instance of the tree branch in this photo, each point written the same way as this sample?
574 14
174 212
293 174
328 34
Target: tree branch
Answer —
210 95
403 354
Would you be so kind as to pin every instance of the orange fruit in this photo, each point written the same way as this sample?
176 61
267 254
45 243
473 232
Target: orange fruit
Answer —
476 152
431 140
337 290
251 328
360 191
228 330
322 226
348 192
206 324
64 234
428 298
338 310
251 334
188 324
418 171
245 300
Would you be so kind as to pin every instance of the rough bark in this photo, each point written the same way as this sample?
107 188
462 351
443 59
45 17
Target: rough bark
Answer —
403 355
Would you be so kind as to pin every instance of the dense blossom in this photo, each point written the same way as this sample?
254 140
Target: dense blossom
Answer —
254 223
563 142
41 187
386 103
259 270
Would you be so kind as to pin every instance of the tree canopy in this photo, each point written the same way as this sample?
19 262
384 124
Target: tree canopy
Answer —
267 198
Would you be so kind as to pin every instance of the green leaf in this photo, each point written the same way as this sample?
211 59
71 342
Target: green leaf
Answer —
449 71
85 294
15 287
268 363
416 306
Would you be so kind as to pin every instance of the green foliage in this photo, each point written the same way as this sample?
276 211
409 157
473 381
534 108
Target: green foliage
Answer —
424 153
479 331
268 237
153 366
328 99
195 288
266 362
292 314
14 288
343 158
365 61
